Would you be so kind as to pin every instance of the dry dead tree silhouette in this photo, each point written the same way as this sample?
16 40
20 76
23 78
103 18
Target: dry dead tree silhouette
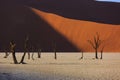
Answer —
12 49
7 53
26 47
33 49
39 52
101 57
82 55
54 49
96 44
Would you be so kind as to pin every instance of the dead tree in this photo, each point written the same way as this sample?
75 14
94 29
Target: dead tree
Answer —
28 54
7 52
82 55
39 53
102 53
55 51
32 53
95 44
12 49
26 47
32 56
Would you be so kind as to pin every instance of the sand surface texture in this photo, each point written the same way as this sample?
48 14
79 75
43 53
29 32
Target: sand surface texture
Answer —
68 66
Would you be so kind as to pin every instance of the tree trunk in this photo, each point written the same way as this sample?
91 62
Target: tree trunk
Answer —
39 53
28 55
55 54
55 51
32 56
82 55
14 58
101 55
96 54
22 60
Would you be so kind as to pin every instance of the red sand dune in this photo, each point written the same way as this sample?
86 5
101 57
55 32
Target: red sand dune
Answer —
78 31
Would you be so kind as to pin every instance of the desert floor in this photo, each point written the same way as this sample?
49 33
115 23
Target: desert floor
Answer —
68 66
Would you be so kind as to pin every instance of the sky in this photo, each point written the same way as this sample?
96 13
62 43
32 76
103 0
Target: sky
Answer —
110 0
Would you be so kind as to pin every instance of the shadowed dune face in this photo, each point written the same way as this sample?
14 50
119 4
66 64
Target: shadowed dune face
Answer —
16 22
78 32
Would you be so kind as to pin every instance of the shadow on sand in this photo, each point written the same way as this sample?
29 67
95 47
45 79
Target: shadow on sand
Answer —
17 21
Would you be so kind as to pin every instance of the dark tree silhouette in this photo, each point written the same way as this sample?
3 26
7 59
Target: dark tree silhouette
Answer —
95 44
39 53
6 53
54 44
33 48
26 47
12 49
102 52
28 55
82 55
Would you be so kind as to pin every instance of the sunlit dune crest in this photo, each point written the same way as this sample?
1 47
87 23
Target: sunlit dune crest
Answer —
78 31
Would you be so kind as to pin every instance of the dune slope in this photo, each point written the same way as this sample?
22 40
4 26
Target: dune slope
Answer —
78 31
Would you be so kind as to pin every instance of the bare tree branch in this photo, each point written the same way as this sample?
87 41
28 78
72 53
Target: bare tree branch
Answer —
96 43
92 44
